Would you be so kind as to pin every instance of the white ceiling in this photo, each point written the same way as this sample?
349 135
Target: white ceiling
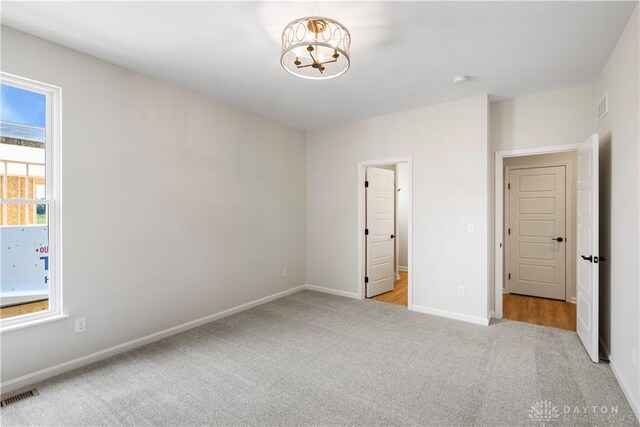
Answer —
403 54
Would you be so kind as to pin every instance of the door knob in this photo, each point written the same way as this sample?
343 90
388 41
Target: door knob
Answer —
393 236
559 239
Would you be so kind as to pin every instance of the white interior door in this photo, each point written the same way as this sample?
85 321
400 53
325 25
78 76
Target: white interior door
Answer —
536 232
380 220
587 244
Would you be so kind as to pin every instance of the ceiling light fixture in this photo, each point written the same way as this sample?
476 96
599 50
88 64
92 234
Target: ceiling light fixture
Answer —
315 48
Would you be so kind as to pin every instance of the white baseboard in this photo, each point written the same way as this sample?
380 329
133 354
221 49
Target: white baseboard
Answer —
450 315
418 308
604 346
492 315
573 300
43 374
345 294
401 268
623 385
625 388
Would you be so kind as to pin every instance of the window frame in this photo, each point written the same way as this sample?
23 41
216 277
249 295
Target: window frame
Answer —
53 192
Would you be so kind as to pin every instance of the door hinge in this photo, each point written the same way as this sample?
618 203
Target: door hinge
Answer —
509 231
366 183
366 279
366 231
509 276
509 186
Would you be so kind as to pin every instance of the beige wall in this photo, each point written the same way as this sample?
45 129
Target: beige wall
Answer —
550 159
449 147
620 209
176 206
561 117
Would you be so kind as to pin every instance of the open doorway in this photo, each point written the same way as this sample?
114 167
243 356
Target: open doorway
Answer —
539 239
384 230
528 251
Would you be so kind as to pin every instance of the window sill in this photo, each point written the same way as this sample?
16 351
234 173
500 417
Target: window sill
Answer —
32 322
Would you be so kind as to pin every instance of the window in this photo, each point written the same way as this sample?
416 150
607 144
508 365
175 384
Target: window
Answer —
30 241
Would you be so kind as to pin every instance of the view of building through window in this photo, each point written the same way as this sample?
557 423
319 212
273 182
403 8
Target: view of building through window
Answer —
24 228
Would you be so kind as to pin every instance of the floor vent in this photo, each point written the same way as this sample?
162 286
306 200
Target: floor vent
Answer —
18 397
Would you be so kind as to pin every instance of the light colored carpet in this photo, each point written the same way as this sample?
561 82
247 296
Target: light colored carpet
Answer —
316 359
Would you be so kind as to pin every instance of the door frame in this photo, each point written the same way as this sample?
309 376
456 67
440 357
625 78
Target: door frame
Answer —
498 251
569 224
362 165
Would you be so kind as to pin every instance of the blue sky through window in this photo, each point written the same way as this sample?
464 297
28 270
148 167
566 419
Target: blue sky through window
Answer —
22 106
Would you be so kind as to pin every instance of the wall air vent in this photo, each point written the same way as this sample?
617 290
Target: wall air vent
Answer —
6 401
603 106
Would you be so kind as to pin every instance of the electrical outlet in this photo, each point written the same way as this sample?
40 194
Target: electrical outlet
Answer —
285 273
460 291
471 228
81 325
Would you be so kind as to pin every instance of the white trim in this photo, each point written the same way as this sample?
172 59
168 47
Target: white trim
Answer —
626 390
25 323
58 369
417 308
604 347
499 214
623 385
402 268
53 179
324 290
361 220
450 315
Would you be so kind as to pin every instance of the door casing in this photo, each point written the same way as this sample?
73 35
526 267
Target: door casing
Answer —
362 165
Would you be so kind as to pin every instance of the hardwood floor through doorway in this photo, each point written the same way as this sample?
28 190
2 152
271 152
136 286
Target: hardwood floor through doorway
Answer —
539 311
400 293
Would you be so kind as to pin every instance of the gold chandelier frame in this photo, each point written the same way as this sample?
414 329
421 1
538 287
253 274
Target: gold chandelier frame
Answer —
310 32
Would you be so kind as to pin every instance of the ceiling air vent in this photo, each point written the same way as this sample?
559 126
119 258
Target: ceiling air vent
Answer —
18 397
603 106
